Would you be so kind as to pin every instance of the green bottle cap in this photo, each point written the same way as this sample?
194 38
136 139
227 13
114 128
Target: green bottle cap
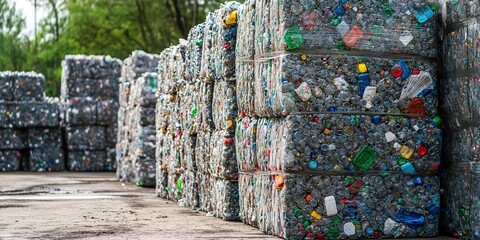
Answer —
401 160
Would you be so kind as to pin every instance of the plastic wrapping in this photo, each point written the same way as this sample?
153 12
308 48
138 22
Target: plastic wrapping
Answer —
374 26
320 83
47 159
45 138
245 87
13 139
463 145
87 161
246 144
193 53
223 162
86 138
225 203
10 160
461 214
347 206
348 143
224 106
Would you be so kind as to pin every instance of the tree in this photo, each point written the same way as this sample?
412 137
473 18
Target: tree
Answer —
12 45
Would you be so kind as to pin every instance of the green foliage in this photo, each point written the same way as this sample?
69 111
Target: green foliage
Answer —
104 27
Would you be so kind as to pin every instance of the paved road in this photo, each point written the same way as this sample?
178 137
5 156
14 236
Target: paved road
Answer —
96 206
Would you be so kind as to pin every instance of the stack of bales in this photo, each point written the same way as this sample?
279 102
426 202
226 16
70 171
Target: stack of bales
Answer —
30 134
344 124
90 93
136 119
216 159
169 129
461 92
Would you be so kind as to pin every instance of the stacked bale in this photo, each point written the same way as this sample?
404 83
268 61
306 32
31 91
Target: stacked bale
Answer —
90 93
346 143
136 119
461 95
30 135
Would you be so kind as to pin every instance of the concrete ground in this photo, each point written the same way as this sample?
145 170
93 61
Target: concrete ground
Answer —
97 206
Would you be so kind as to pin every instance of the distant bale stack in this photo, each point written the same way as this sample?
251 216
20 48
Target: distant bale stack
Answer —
89 93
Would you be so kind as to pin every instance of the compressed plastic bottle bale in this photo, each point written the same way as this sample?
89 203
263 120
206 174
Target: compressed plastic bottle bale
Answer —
190 114
162 112
80 88
247 199
224 40
349 143
45 138
10 160
456 11
86 137
35 114
47 159
81 111
319 83
206 107
206 184
7 82
190 186
349 206
86 161
189 148
203 152
463 145
145 115
171 74
145 171
460 211
143 142
225 203
374 26
29 86
461 91
161 177
223 162
245 144
224 105
110 163
146 87
174 185
6 118
107 112
193 53
111 136
13 139
207 72
245 48
90 67
245 87
108 88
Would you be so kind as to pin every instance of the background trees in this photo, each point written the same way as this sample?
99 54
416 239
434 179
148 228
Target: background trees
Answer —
106 27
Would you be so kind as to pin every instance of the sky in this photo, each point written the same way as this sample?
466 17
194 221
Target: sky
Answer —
28 11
